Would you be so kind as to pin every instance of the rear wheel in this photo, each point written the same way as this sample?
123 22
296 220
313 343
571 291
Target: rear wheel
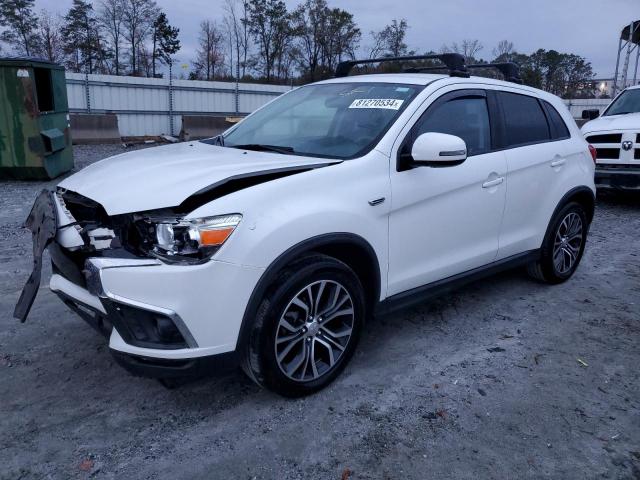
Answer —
307 327
563 245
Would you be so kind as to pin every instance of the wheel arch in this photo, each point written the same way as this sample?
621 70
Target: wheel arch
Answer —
583 195
349 248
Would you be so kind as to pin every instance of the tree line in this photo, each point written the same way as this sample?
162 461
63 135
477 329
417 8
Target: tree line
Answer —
252 40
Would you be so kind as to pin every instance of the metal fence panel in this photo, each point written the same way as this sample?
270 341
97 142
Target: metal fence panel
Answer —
577 105
142 104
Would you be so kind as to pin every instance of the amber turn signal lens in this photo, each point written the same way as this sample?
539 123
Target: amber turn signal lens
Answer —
214 237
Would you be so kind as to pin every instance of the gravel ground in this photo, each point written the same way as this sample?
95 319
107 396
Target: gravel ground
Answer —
483 383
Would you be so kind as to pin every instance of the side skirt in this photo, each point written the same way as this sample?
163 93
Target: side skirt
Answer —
417 295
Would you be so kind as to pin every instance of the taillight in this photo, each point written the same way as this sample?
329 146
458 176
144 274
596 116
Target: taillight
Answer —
593 152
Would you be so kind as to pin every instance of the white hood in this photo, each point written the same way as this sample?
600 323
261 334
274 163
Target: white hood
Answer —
629 121
165 176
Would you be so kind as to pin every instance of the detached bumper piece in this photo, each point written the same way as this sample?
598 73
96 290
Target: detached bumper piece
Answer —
618 177
42 221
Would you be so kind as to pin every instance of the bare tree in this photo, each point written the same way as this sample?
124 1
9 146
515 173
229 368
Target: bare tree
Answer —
210 50
50 44
468 48
111 19
390 40
238 35
504 51
270 25
138 17
311 23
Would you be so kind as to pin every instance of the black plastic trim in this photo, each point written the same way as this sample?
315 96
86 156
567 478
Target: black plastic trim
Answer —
454 62
420 294
572 193
151 367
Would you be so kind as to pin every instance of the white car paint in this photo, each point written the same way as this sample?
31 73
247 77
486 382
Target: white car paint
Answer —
627 125
434 223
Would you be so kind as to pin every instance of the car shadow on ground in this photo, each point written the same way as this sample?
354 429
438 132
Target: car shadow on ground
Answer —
618 198
434 316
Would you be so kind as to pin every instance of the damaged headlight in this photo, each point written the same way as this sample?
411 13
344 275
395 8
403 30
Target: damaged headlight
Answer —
192 240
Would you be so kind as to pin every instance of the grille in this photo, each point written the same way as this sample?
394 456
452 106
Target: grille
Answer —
636 154
605 138
607 153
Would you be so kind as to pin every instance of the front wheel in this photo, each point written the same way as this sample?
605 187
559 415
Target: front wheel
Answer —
563 245
307 327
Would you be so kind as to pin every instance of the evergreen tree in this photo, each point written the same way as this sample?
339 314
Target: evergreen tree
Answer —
81 37
165 41
21 23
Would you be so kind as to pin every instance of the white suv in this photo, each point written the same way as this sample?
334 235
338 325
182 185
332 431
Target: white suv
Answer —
271 245
616 137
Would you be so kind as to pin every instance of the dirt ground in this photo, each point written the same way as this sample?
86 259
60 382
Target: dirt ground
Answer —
505 379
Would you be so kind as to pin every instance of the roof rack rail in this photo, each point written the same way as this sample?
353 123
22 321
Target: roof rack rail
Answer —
510 70
454 62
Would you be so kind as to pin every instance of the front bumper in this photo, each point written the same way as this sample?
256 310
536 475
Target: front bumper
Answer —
618 177
205 302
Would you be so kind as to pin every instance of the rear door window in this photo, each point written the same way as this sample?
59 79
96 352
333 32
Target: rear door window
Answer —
525 121
559 130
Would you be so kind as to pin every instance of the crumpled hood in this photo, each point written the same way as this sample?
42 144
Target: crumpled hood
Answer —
165 176
613 122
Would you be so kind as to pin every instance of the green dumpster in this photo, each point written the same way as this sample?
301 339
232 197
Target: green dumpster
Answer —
35 139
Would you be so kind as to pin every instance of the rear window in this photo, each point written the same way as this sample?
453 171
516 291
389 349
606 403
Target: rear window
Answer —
559 129
525 121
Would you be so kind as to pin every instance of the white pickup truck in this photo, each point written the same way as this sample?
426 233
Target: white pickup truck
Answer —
616 136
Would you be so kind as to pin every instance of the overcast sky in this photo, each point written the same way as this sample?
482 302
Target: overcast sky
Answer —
589 28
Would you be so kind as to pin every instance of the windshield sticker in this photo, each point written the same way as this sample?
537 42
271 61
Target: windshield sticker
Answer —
384 103
355 91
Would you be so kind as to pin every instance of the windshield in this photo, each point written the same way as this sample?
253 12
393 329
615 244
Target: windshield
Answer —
627 102
340 120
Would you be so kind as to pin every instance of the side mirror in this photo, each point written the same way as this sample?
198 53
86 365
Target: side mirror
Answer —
590 114
438 150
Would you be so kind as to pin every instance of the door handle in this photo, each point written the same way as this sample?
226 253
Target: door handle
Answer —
493 183
559 162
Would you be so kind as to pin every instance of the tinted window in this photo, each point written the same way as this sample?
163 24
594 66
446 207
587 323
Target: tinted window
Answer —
465 117
559 129
524 119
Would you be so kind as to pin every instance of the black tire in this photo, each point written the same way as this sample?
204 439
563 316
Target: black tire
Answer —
546 269
260 358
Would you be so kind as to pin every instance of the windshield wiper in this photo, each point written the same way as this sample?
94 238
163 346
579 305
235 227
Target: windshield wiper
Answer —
261 147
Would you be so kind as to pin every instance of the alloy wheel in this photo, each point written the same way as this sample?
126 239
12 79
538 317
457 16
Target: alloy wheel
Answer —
567 243
314 330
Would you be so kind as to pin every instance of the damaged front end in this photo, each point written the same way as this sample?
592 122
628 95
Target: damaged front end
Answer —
82 239
164 234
